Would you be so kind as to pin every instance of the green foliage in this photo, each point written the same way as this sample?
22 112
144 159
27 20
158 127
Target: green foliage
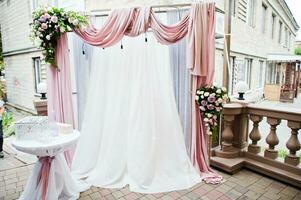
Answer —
3 90
8 124
298 51
49 23
282 153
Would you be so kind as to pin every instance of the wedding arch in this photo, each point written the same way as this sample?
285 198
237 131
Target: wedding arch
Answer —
198 25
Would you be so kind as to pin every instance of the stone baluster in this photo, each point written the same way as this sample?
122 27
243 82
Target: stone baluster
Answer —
227 134
255 134
228 149
272 139
293 144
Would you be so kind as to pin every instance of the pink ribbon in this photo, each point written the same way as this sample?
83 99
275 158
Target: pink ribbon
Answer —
44 174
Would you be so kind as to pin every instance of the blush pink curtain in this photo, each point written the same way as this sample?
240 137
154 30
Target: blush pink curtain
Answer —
132 22
198 25
59 90
201 54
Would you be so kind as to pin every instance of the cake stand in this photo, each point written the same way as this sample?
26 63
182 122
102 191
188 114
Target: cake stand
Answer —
51 178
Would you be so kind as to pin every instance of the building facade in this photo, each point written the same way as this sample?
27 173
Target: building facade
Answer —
23 62
259 28
298 44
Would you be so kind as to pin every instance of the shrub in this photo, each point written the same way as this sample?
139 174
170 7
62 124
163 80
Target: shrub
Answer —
298 51
8 124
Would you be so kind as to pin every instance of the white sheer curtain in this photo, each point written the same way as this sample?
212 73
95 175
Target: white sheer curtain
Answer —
181 79
131 133
81 56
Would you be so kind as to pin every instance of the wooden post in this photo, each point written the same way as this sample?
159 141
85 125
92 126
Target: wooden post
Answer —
296 79
227 43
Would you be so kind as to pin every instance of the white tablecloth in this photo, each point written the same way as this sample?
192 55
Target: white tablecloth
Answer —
60 183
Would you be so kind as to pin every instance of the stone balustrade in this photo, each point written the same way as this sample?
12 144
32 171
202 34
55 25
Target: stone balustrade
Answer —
240 147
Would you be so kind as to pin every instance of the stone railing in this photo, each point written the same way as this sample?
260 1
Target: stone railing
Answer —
239 146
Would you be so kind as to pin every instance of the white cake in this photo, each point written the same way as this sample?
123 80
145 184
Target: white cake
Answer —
33 128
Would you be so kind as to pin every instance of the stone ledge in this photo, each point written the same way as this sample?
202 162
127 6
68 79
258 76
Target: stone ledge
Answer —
273 168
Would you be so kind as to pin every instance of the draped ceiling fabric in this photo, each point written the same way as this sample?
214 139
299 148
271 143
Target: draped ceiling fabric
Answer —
198 25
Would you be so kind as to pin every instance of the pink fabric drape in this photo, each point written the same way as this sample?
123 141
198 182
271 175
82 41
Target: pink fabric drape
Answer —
199 25
43 175
132 22
59 90
201 51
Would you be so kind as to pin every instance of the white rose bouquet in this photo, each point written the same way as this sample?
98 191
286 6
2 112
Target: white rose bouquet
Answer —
49 23
211 101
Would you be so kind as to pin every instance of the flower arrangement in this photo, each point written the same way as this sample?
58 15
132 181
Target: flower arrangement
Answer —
211 101
49 23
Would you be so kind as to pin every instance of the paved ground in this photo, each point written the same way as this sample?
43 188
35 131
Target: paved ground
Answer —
243 185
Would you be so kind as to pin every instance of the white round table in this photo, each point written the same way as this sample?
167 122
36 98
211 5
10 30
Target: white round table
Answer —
51 178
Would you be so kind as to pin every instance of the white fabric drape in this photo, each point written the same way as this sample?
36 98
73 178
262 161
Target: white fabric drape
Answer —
82 57
131 129
181 79
60 186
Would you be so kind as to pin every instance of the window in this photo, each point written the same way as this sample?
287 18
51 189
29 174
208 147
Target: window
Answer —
37 71
55 3
273 24
248 66
280 32
264 14
250 12
244 71
269 73
289 40
279 78
232 75
273 73
233 7
34 4
261 74
285 37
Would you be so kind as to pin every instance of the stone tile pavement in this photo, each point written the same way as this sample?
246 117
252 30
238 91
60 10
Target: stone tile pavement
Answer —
243 185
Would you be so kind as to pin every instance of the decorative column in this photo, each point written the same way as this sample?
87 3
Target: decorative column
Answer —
227 150
227 134
293 144
255 134
41 107
272 139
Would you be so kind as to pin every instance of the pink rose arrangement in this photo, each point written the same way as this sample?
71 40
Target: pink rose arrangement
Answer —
210 100
49 23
